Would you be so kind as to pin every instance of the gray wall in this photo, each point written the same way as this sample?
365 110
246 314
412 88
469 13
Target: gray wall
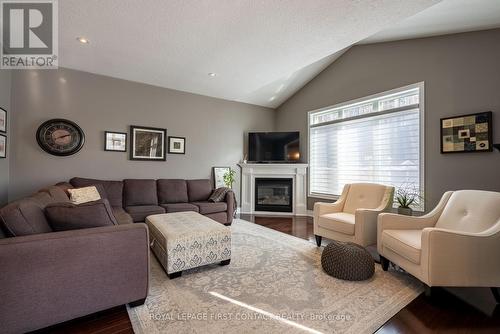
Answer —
214 128
5 84
461 74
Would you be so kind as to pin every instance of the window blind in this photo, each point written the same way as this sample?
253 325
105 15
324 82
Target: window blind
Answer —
376 140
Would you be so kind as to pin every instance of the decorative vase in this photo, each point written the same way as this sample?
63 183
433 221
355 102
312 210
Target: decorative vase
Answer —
405 211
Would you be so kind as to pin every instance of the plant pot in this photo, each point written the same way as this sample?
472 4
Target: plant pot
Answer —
405 211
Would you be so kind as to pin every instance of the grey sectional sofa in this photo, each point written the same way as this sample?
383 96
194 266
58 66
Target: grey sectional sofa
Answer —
139 198
50 277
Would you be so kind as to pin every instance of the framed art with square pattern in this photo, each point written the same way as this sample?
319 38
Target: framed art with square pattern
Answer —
467 133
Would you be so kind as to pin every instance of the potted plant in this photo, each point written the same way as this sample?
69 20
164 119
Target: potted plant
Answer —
229 178
406 198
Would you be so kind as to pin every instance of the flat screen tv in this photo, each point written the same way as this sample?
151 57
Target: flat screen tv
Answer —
274 147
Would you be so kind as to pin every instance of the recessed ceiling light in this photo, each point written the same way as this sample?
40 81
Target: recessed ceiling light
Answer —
211 74
83 40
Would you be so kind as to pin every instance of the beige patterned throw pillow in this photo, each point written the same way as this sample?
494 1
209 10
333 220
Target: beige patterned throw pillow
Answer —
84 195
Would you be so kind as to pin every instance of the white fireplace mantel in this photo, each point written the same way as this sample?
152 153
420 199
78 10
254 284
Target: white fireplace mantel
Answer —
296 172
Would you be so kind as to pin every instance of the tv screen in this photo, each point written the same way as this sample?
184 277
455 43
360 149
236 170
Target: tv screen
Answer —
274 146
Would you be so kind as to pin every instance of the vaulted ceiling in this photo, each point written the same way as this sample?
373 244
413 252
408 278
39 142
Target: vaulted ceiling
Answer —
447 17
260 51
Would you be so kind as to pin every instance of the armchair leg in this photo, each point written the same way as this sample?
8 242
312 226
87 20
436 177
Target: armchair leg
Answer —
384 262
496 294
318 240
429 290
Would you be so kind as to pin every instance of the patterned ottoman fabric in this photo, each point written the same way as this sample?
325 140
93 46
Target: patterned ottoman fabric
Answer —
347 261
185 240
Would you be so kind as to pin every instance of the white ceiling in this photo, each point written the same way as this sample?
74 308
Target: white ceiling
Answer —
447 17
262 51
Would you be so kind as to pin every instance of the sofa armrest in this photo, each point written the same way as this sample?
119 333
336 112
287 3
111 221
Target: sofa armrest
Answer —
231 206
55 277
322 208
366 225
392 221
456 258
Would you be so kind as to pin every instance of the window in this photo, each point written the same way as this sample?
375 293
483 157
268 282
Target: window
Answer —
376 139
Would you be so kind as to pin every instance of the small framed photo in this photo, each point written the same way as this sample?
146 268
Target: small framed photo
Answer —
3 120
148 144
219 173
176 145
3 147
115 141
467 133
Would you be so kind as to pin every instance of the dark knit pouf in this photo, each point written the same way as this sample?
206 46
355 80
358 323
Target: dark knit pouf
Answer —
347 261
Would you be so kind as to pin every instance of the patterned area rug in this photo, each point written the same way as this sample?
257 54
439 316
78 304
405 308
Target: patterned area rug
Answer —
274 284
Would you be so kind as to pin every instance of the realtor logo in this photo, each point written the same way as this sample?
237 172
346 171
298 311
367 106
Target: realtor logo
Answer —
29 34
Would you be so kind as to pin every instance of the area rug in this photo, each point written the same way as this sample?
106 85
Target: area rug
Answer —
274 284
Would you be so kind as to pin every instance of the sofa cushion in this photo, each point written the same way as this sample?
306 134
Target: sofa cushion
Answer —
172 191
211 207
139 192
24 217
56 193
180 207
42 199
122 217
364 196
406 243
114 189
471 211
341 222
199 190
140 212
69 216
64 186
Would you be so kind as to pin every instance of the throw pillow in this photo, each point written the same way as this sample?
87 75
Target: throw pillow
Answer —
219 194
69 216
84 195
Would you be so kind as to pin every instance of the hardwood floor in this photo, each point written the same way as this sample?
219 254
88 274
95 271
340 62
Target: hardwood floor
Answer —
443 313
112 321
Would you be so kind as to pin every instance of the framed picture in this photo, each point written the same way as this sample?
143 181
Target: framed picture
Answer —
219 176
3 147
467 133
176 145
115 141
3 120
148 143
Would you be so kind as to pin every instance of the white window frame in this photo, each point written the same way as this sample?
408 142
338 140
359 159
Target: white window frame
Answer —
421 106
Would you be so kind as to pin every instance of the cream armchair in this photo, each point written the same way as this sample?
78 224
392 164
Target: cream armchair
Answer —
457 244
353 217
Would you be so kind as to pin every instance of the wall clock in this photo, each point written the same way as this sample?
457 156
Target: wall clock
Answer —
60 137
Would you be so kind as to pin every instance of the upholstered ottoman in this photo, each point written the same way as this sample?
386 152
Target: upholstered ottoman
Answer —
186 240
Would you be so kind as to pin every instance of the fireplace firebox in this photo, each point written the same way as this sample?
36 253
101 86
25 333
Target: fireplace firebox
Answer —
274 194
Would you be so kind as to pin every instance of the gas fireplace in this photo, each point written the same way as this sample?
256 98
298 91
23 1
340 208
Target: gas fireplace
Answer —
274 194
